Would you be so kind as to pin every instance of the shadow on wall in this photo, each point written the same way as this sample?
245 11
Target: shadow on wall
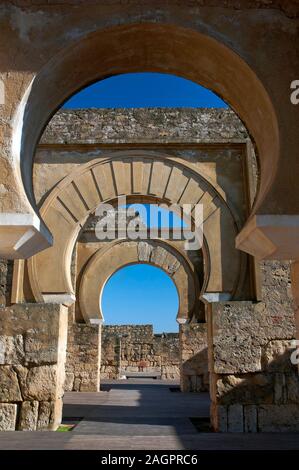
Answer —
195 373
264 401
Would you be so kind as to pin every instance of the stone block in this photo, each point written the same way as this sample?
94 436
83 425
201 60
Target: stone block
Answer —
219 417
41 383
250 418
9 385
8 416
278 418
28 416
292 386
246 389
44 415
280 392
276 356
236 353
56 414
11 349
242 329
235 418
69 381
38 333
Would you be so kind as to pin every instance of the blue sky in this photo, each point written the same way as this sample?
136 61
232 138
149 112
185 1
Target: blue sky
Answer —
139 294
139 90
142 293
154 216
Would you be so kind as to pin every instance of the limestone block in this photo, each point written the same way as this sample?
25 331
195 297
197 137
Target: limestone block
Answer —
292 386
235 418
11 349
236 354
144 251
28 416
37 349
49 415
250 418
37 333
9 385
44 415
69 381
245 389
55 414
276 355
278 418
219 418
8 416
41 383
76 385
280 391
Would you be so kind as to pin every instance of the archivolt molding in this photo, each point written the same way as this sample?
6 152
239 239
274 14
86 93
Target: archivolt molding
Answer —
145 176
105 262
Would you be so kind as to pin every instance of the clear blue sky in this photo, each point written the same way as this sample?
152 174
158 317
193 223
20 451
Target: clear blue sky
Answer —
142 293
139 294
139 90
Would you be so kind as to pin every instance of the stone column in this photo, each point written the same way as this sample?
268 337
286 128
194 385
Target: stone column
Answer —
32 366
254 385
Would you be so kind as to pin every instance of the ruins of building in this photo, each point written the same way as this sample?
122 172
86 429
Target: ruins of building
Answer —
235 313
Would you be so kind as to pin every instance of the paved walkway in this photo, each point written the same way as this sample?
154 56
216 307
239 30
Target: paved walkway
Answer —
140 414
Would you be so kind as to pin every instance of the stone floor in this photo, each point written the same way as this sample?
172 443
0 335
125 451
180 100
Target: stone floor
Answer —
140 414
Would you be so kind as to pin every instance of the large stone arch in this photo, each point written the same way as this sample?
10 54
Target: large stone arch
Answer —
204 57
105 262
145 176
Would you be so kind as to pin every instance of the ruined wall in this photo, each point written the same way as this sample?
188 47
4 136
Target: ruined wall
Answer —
194 357
255 386
82 371
154 125
32 361
157 353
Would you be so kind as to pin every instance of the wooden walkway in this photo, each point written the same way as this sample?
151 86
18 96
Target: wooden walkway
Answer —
140 414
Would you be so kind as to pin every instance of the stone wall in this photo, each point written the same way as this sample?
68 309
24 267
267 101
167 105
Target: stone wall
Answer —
139 347
194 357
254 385
75 126
6 270
83 358
32 362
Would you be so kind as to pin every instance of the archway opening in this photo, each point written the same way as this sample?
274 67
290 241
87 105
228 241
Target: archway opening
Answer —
140 337
141 294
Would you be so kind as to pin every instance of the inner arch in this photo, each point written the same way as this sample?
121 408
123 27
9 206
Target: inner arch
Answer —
139 294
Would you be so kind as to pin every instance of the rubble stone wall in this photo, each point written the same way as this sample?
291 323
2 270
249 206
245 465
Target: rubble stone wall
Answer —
141 349
32 366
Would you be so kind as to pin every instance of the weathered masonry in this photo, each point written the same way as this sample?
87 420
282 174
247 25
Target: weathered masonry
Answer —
127 349
236 313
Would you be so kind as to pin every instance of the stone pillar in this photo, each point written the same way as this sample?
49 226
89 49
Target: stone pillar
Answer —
254 385
194 376
83 358
32 366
